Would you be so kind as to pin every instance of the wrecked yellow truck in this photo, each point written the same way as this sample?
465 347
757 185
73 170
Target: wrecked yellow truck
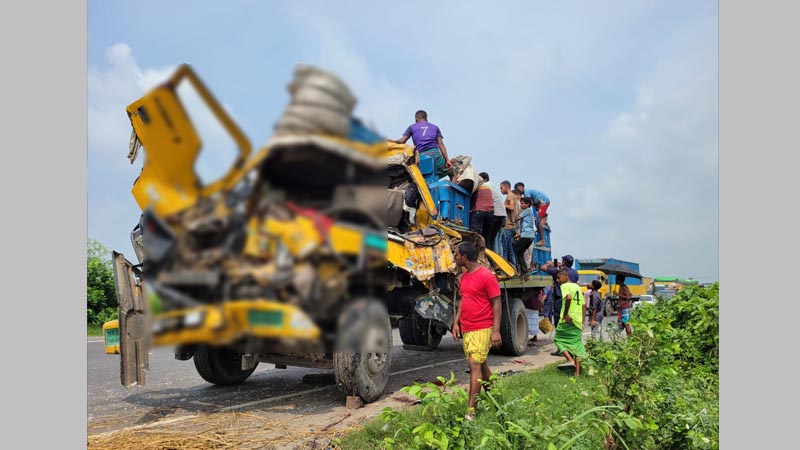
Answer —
282 260
297 255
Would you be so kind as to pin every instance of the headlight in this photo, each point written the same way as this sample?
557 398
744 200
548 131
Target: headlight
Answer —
194 318
300 321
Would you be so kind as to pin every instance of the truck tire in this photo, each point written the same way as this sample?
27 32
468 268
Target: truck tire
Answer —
220 366
513 329
406 327
414 330
609 307
364 373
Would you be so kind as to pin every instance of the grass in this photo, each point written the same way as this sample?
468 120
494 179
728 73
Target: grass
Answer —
555 388
94 330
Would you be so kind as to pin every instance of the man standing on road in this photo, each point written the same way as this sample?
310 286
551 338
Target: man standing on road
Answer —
569 332
595 306
478 317
624 304
552 270
428 140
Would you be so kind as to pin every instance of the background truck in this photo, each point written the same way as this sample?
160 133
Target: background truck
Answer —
668 286
587 272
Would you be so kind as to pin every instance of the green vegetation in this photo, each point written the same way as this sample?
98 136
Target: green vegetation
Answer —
657 389
101 297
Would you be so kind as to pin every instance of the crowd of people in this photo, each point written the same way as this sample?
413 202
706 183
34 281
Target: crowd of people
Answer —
512 223
520 213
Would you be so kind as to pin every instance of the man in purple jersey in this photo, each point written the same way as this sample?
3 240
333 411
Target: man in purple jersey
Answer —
427 139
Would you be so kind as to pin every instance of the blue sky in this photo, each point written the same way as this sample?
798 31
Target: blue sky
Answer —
608 107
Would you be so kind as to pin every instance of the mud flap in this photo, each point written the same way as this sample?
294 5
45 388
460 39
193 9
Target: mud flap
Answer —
434 307
133 342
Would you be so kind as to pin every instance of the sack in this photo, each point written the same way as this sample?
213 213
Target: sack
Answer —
545 326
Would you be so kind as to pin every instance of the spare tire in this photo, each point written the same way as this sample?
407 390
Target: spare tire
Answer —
364 370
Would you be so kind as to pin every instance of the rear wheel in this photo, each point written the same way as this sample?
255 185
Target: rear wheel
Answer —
361 367
514 329
415 330
220 366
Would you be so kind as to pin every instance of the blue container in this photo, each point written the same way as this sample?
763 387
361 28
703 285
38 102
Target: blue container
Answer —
428 169
452 201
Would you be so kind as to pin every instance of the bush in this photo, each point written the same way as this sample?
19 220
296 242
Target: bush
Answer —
666 374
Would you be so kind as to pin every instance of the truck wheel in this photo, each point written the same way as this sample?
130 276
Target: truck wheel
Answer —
609 307
416 330
364 327
513 329
406 327
220 366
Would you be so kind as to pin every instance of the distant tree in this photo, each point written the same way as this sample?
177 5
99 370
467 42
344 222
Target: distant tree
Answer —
101 296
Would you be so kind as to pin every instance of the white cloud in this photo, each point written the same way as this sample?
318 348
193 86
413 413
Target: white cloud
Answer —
650 184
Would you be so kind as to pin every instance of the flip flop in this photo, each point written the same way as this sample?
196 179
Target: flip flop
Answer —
566 366
556 353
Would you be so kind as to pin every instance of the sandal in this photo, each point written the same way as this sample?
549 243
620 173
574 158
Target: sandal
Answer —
566 366
470 414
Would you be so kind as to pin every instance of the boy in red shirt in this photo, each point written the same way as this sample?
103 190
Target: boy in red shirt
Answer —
478 317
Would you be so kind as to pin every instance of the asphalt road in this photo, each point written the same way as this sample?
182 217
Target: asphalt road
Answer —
173 387
174 390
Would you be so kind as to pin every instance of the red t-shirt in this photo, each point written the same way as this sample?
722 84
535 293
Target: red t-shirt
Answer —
477 289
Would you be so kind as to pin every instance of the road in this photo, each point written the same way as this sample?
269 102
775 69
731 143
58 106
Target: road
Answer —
174 392
173 387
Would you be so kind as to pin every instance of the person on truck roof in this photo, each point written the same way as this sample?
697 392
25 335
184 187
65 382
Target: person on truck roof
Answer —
499 213
428 140
540 201
481 215
524 238
464 174
511 226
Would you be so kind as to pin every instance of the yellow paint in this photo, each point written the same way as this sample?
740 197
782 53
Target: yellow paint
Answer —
168 181
227 322
111 348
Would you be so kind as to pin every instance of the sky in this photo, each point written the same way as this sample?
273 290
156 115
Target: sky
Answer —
610 108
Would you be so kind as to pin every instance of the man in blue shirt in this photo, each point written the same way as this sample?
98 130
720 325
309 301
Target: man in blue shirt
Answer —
523 240
427 139
540 201
567 261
